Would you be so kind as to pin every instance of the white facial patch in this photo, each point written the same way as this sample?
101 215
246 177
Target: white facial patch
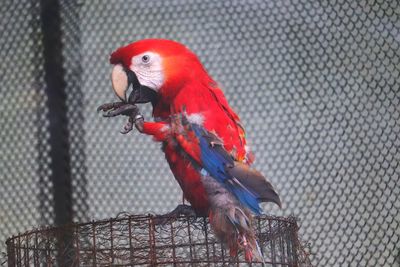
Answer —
148 69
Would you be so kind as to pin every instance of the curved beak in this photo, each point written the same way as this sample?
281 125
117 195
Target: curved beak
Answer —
119 81
123 79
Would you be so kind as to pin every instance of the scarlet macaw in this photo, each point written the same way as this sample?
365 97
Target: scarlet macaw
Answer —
203 140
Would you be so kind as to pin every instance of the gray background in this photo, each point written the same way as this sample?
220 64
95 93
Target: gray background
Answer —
316 84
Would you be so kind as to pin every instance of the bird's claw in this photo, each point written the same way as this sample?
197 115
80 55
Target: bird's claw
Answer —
122 108
109 106
128 126
127 109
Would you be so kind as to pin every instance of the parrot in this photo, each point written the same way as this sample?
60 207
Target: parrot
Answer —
202 137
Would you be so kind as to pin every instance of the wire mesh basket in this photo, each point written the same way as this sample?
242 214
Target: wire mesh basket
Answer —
134 240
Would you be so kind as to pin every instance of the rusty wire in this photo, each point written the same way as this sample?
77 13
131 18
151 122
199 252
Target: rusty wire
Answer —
142 240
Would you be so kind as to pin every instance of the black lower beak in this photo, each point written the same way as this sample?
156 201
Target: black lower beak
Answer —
140 93
143 94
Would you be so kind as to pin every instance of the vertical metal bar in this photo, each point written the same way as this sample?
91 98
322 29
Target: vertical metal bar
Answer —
26 251
288 242
58 128
57 111
36 253
280 242
173 243
77 249
273 257
296 243
112 241
287 239
131 256
152 239
10 252
19 251
94 244
47 251
190 241
206 237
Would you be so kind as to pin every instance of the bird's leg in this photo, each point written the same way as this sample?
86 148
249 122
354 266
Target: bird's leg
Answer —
139 121
180 210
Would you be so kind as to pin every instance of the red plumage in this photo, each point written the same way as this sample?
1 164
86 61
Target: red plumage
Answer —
188 90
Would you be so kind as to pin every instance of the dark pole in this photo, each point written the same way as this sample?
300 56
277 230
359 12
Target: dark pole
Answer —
57 111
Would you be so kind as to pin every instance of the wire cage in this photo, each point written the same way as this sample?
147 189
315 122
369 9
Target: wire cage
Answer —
146 240
315 83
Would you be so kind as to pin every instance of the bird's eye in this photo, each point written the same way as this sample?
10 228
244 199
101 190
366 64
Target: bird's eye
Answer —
145 58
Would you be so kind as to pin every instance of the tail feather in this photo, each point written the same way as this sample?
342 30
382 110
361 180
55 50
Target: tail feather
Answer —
254 182
233 227
252 250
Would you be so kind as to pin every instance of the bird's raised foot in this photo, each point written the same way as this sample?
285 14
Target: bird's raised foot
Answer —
109 106
127 110
180 210
122 108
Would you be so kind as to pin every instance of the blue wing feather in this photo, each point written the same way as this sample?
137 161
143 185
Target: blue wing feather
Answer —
214 162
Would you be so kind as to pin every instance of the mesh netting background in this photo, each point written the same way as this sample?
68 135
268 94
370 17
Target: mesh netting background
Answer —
316 84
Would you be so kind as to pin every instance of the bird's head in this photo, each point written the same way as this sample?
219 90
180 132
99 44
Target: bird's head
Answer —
160 68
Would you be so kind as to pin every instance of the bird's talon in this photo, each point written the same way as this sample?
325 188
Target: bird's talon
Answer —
125 130
128 126
109 106
126 109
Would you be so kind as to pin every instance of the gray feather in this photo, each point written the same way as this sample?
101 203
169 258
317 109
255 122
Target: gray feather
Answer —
254 182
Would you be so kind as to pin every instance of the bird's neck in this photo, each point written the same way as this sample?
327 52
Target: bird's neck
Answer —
191 97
